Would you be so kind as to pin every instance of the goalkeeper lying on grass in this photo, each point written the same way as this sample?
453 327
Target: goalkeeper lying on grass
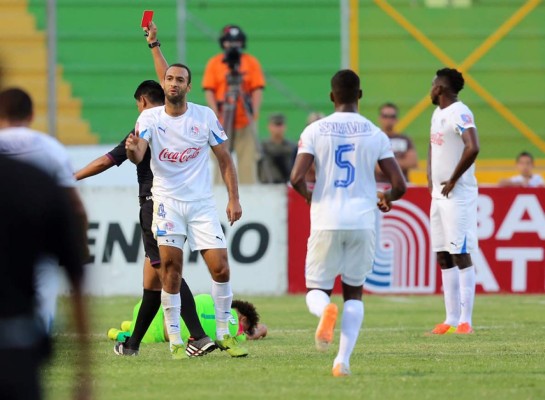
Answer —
244 322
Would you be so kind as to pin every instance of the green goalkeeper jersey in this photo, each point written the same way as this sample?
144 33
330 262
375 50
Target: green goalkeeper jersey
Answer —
205 312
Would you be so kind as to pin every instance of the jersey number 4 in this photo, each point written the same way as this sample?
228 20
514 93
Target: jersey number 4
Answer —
344 164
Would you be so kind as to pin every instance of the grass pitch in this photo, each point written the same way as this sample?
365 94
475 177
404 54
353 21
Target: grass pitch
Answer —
394 359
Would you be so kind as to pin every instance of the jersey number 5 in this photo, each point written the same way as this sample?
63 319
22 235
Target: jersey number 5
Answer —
344 164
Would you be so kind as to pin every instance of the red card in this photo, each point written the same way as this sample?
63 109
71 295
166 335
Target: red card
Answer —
146 18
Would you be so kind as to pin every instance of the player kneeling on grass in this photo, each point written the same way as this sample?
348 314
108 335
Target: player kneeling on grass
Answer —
345 146
244 323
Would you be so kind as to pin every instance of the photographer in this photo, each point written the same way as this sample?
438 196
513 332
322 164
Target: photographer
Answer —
233 83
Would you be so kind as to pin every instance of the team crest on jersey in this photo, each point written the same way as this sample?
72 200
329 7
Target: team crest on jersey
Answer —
195 130
437 138
169 226
466 118
161 211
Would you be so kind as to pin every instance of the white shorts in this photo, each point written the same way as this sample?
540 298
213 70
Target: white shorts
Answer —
197 221
453 225
348 253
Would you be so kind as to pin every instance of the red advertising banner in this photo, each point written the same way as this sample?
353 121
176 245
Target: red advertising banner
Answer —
510 259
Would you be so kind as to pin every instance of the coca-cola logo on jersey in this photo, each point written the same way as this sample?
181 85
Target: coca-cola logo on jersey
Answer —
176 156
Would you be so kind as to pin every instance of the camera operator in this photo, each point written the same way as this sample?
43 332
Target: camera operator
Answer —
233 84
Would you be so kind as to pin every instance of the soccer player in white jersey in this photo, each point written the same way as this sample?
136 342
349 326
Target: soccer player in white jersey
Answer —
18 141
454 145
345 146
180 135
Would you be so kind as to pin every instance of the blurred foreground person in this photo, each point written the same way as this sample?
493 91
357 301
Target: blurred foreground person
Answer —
40 220
20 142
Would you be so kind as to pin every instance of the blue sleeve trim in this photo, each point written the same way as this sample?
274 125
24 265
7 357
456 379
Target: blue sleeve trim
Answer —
218 139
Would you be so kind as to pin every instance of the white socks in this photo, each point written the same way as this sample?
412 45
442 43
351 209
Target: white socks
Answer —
467 293
223 297
350 328
451 292
317 300
172 303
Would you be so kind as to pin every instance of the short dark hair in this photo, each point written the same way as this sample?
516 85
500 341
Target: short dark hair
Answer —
15 104
345 86
525 154
248 310
277 119
179 65
454 78
152 90
388 105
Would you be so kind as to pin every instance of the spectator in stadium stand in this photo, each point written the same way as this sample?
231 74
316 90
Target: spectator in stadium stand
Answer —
526 176
149 94
346 146
278 153
18 141
402 145
39 219
184 207
453 149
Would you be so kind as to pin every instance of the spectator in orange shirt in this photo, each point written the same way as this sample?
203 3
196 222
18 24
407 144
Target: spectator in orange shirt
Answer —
215 84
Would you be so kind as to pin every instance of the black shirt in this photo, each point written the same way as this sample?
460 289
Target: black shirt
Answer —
37 218
277 161
145 177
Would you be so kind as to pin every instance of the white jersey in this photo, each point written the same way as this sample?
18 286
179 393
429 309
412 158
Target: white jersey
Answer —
534 181
447 126
40 150
180 148
346 147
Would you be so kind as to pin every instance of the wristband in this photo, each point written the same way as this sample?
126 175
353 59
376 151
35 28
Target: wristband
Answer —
154 44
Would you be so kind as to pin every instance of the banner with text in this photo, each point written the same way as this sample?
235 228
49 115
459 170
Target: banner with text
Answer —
257 244
511 256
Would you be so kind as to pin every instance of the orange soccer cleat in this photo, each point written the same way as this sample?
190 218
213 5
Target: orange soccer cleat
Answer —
324 332
443 329
341 370
464 329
